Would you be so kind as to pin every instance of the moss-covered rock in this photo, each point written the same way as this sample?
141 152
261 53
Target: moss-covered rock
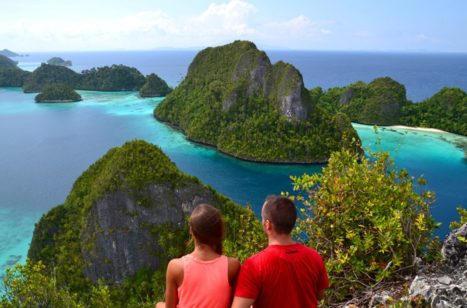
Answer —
234 99
58 93
154 87
127 213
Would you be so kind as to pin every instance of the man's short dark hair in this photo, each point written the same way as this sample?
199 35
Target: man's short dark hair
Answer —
281 212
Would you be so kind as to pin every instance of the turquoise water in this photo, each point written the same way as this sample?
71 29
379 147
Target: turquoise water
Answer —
45 147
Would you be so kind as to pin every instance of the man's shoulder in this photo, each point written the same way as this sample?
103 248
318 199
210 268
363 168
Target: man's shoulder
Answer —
258 256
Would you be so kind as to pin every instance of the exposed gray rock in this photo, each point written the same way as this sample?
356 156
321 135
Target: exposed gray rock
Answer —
446 286
346 96
383 298
287 87
120 236
281 81
229 101
454 250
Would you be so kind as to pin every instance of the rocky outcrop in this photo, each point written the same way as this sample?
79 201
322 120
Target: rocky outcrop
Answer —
234 99
446 286
127 213
286 87
122 232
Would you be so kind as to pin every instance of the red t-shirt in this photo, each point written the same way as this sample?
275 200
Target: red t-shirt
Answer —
283 276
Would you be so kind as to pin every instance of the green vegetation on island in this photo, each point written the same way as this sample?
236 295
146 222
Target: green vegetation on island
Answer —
383 102
112 78
59 61
7 63
133 199
233 98
446 110
46 75
58 93
154 87
107 78
10 74
109 243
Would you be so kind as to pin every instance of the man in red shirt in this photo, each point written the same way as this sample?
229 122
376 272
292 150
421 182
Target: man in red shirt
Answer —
285 274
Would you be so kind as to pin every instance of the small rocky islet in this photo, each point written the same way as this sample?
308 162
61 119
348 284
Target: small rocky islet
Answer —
58 93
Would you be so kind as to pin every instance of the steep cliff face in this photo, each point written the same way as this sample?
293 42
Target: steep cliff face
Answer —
120 233
127 213
235 99
287 89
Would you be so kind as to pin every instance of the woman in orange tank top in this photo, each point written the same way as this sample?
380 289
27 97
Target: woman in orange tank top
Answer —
205 277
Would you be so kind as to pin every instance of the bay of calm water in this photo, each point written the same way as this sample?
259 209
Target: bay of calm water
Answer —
45 147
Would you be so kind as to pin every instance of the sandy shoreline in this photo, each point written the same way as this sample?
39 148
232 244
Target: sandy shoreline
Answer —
422 129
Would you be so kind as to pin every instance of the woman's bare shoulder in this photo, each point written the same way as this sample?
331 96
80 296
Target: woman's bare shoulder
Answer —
175 267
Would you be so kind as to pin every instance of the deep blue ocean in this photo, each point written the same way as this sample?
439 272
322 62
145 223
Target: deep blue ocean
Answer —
45 147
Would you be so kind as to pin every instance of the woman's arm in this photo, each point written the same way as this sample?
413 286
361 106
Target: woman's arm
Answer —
234 269
173 279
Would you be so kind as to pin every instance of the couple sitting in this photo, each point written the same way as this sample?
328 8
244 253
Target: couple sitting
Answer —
285 274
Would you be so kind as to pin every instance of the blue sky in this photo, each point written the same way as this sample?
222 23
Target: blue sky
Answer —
365 25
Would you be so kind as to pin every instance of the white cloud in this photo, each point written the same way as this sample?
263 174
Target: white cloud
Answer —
218 23
231 16
297 32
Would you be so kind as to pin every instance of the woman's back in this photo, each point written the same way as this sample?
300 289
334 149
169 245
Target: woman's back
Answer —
205 283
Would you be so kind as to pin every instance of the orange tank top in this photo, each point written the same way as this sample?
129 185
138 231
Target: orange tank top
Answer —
205 283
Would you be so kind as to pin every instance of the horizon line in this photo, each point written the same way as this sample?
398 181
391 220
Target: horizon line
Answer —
24 53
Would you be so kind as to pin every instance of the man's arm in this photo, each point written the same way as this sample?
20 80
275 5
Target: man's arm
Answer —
242 302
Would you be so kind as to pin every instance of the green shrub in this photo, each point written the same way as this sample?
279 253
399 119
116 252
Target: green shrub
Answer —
30 286
366 220
462 219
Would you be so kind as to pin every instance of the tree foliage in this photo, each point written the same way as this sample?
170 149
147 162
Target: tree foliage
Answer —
7 63
365 218
383 102
12 77
46 75
154 87
446 110
378 102
462 218
31 286
112 78
58 93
